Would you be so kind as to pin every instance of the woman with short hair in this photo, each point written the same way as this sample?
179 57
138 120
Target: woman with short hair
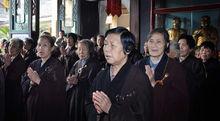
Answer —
46 98
80 79
167 77
120 92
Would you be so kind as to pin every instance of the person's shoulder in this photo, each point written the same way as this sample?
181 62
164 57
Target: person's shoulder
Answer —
56 63
194 59
173 63
101 74
35 63
141 61
136 72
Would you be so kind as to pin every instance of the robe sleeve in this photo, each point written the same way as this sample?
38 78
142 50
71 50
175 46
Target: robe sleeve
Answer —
90 109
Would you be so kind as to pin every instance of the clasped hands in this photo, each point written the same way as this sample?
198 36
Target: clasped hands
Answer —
72 79
101 102
150 73
33 75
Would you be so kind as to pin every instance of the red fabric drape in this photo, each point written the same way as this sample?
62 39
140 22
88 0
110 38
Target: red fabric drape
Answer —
113 7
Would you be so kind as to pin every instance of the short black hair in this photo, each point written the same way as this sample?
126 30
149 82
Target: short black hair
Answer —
117 30
74 36
189 40
208 44
30 41
126 37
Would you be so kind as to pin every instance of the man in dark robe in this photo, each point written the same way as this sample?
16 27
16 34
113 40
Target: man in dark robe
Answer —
195 75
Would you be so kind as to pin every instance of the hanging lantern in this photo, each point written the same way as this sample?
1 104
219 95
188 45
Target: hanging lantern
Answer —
114 7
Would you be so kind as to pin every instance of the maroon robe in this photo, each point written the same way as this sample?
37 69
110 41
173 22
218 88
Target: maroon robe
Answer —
171 101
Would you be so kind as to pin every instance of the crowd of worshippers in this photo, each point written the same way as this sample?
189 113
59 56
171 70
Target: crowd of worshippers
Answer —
105 78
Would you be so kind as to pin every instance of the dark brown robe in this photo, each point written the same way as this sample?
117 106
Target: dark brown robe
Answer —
195 76
14 107
171 99
130 94
77 94
46 101
210 90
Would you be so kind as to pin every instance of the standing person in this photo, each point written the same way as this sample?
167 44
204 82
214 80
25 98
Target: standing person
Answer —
29 51
80 79
210 87
14 67
99 49
60 39
46 99
120 92
170 102
195 75
68 54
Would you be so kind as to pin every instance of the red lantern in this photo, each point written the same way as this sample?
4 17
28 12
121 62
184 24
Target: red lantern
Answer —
114 7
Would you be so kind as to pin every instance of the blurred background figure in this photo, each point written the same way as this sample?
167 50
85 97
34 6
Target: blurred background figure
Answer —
68 53
174 50
2 46
93 39
197 52
29 52
61 39
99 50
